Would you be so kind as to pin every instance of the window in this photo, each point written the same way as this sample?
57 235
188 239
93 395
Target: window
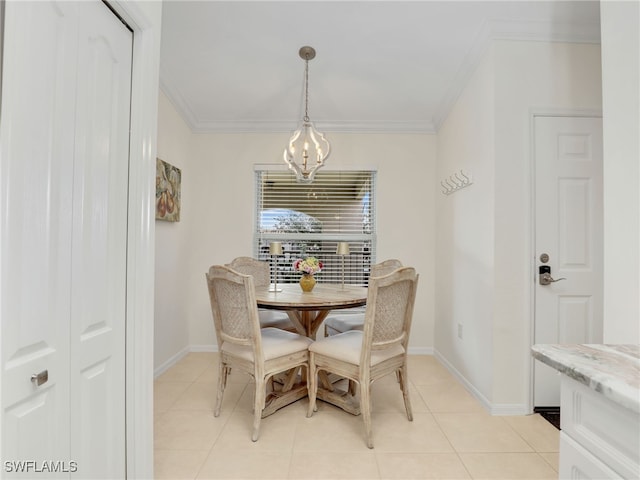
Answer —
310 220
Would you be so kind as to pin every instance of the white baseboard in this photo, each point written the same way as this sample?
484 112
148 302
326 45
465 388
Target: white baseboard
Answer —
170 362
203 348
180 355
492 408
420 351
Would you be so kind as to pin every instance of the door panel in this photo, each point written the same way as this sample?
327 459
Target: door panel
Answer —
100 243
36 182
568 225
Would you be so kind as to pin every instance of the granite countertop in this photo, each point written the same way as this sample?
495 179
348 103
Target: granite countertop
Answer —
612 370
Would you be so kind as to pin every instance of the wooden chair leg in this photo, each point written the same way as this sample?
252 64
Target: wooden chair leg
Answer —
258 406
222 383
312 385
404 385
365 408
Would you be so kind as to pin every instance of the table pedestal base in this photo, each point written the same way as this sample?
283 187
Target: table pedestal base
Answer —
340 398
278 399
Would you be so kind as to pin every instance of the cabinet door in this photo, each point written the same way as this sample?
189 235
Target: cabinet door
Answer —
577 463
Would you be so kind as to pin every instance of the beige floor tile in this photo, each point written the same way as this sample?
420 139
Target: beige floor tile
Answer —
187 430
191 443
387 398
245 464
277 431
507 466
237 377
330 429
425 370
209 375
199 396
536 431
187 370
479 432
232 393
449 396
421 466
178 464
165 394
552 459
308 465
392 432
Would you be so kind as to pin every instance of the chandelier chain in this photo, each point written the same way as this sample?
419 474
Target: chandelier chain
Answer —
306 89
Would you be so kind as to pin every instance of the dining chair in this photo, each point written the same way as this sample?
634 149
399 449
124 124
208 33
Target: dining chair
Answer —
343 322
243 344
379 349
262 277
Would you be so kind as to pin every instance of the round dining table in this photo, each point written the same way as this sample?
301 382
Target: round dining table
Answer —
307 310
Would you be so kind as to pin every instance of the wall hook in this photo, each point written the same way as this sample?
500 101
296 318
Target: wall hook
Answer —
455 182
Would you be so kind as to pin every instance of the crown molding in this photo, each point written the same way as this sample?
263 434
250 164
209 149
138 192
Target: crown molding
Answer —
492 30
257 126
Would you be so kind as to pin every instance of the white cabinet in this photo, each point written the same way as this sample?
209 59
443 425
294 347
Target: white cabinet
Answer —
600 439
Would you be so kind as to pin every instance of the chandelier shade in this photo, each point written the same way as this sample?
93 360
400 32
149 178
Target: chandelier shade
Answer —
307 148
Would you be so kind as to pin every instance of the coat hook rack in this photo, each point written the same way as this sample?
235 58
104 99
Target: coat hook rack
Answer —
455 182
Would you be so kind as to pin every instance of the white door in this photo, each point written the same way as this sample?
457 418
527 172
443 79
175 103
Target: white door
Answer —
36 175
99 243
63 177
568 230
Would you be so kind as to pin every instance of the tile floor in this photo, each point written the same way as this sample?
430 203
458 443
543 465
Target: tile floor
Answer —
451 436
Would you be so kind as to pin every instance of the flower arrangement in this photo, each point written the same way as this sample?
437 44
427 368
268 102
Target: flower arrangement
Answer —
309 265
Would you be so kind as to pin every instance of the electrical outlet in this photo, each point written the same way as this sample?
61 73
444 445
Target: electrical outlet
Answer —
459 330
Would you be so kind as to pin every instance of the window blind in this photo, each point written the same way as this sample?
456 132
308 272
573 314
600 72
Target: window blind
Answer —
311 219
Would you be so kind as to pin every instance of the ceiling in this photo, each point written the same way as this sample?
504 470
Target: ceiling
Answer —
381 66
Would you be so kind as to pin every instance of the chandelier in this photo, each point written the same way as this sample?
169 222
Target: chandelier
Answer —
307 149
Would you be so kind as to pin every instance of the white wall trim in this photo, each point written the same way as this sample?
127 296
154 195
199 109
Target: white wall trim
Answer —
533 113
145 22
170 362
461 378
493 409
420 351
203 348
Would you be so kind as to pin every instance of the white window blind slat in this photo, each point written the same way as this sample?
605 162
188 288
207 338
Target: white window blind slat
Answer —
310 220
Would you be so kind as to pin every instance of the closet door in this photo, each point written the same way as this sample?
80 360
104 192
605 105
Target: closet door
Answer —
36 175
99 243
64 146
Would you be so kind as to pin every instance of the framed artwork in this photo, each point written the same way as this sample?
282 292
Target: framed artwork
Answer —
168 180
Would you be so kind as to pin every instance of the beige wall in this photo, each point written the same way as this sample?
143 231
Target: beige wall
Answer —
494 272
223 204
218 212
171 334
465 233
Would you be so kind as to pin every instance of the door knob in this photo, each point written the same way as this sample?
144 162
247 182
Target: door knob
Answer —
547 279
39 378
545 275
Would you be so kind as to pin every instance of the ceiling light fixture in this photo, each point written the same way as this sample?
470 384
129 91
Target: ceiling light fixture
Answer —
307 149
